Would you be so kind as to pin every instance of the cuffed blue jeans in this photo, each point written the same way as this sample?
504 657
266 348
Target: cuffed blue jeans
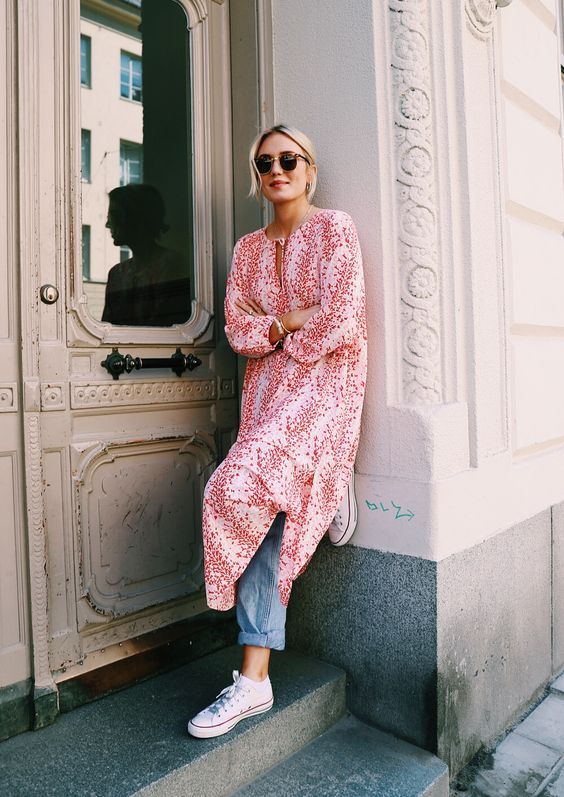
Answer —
260 613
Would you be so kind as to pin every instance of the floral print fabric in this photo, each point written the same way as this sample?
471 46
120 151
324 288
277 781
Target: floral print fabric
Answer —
302 402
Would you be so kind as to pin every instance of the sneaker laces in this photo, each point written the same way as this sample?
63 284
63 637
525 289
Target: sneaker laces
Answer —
226 694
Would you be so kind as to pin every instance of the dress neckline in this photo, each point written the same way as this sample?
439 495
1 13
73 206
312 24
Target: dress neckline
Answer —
302 225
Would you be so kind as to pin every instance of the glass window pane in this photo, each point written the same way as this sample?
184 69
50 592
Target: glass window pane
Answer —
124 75
124 253
131 77
130 162
138 204
85 61
85 155
86 251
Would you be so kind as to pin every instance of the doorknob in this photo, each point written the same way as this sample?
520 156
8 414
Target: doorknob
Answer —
48 294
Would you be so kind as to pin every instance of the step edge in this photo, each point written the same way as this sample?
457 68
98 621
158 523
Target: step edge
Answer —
331 706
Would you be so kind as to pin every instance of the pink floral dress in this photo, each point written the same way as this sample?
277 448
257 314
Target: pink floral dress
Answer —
302 402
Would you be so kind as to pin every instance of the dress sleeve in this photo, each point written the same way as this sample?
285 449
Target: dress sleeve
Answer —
341 319
247 334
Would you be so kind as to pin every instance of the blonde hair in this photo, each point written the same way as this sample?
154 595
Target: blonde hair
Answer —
300 139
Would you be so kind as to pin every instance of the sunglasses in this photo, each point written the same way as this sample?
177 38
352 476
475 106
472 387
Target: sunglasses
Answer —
288 162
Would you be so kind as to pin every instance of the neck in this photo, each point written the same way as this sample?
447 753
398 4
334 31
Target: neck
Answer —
289 216
143 250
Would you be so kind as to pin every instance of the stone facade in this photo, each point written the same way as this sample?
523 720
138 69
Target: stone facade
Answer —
439 128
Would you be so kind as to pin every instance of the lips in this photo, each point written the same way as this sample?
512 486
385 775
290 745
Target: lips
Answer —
277 183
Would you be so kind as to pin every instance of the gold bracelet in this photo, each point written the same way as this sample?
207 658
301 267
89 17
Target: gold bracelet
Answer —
287 331
280 327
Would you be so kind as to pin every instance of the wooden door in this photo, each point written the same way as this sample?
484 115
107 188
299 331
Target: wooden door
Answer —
130 98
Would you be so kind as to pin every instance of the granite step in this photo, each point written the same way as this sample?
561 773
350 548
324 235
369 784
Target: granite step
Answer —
135 742
351 759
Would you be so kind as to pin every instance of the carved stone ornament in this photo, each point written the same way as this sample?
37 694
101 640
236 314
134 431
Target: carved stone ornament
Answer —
481 15
53 396
37 552
8 397
415 183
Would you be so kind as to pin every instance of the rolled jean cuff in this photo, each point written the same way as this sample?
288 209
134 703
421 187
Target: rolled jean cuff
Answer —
276 640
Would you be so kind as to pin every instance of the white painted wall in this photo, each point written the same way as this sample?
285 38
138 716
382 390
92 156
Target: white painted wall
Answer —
435 478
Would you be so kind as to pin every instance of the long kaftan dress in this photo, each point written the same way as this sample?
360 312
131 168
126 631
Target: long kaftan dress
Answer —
302 402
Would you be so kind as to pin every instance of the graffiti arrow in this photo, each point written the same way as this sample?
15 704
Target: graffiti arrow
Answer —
408 515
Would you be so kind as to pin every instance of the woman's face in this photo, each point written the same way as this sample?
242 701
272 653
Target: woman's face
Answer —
279 186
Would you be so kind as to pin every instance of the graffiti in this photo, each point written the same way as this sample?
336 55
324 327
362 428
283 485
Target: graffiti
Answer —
399 514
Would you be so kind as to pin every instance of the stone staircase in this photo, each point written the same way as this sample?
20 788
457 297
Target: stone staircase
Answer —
134 742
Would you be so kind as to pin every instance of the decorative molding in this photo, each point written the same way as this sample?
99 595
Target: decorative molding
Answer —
37 551
226 387
415 182
481 15
136 551
53 396
196 11
28 144
108 394
8 397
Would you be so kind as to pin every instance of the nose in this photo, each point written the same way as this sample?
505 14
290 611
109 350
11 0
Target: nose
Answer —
276 168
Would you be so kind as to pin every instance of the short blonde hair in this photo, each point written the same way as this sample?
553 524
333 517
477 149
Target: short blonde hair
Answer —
301 140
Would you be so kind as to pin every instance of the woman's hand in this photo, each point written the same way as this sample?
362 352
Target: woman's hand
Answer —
248 307
295 319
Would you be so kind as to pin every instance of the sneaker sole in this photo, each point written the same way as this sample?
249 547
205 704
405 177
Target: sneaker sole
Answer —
201 732
348 531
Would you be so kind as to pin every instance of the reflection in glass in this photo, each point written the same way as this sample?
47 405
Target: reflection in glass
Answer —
130 162
85 155
86 251
136 161
149 288
131 77
85 60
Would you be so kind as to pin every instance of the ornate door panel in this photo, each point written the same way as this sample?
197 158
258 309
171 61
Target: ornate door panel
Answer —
127 140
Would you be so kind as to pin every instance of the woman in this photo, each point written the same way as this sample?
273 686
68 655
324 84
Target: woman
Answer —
295 307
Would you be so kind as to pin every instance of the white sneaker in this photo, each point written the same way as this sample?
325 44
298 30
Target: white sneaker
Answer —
344 523
235 703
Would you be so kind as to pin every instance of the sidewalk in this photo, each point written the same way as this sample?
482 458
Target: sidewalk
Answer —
529 762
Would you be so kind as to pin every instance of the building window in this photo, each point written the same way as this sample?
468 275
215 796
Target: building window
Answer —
130 162
85 61
85 155
86 251
131 77
125 253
